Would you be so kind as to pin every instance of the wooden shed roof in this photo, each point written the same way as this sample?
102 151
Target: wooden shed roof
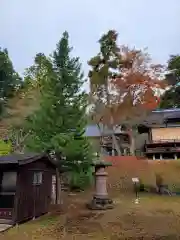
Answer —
21 159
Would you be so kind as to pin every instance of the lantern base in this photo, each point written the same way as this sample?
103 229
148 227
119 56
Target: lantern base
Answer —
100 204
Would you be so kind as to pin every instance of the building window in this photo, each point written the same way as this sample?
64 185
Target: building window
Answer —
37 178
8 182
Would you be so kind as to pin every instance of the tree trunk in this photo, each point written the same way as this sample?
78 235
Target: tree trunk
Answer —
132 141
102 133
114 140
132 146
116 145
19 144
58 187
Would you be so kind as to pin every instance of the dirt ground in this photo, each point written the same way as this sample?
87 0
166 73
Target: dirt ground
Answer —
155 217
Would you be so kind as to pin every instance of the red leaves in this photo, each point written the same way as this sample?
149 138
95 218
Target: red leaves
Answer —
139 81
130 88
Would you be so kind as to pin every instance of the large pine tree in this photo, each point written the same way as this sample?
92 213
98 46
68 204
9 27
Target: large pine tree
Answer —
58 125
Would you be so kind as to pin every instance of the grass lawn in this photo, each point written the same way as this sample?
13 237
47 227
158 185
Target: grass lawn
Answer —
155 217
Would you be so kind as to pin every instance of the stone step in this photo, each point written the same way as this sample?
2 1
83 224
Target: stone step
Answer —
6 221
4 227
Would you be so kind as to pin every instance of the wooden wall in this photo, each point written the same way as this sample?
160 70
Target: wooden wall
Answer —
33 200
165 133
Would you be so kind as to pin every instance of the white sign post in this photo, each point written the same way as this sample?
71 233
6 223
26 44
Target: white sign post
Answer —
135 182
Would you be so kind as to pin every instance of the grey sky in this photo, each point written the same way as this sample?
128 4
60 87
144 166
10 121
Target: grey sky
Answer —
31 26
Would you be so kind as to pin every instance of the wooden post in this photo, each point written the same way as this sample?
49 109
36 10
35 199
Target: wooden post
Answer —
58 187
53 193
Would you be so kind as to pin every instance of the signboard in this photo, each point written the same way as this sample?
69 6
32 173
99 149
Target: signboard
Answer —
135 180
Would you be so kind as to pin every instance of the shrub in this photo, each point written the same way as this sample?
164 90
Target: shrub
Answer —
141 186
5 148
80 180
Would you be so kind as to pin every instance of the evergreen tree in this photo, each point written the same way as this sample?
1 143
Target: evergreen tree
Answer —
61 116
9 78
171 98
174 66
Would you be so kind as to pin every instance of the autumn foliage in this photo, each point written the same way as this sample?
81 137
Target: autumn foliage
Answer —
124 83
18 109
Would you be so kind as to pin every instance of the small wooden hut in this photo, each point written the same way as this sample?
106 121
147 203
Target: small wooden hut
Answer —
25 186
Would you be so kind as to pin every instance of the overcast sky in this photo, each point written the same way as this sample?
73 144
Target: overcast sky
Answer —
31 26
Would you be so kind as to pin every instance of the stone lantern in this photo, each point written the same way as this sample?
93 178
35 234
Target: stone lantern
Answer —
100 199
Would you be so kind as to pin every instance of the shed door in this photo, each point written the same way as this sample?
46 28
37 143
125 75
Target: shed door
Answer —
39 193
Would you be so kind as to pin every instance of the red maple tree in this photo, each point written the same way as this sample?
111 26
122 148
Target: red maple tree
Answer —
124 84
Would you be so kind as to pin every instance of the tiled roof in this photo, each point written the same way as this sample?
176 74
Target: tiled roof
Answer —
156 117
19 158
93 131
160 116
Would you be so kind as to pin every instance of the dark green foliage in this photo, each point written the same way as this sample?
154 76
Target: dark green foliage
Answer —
171 98
81 180
141 186
58 126
174 65
9 79
105 62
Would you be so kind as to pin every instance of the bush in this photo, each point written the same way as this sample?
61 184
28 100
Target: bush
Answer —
141 187
80 180
5 148
146 187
